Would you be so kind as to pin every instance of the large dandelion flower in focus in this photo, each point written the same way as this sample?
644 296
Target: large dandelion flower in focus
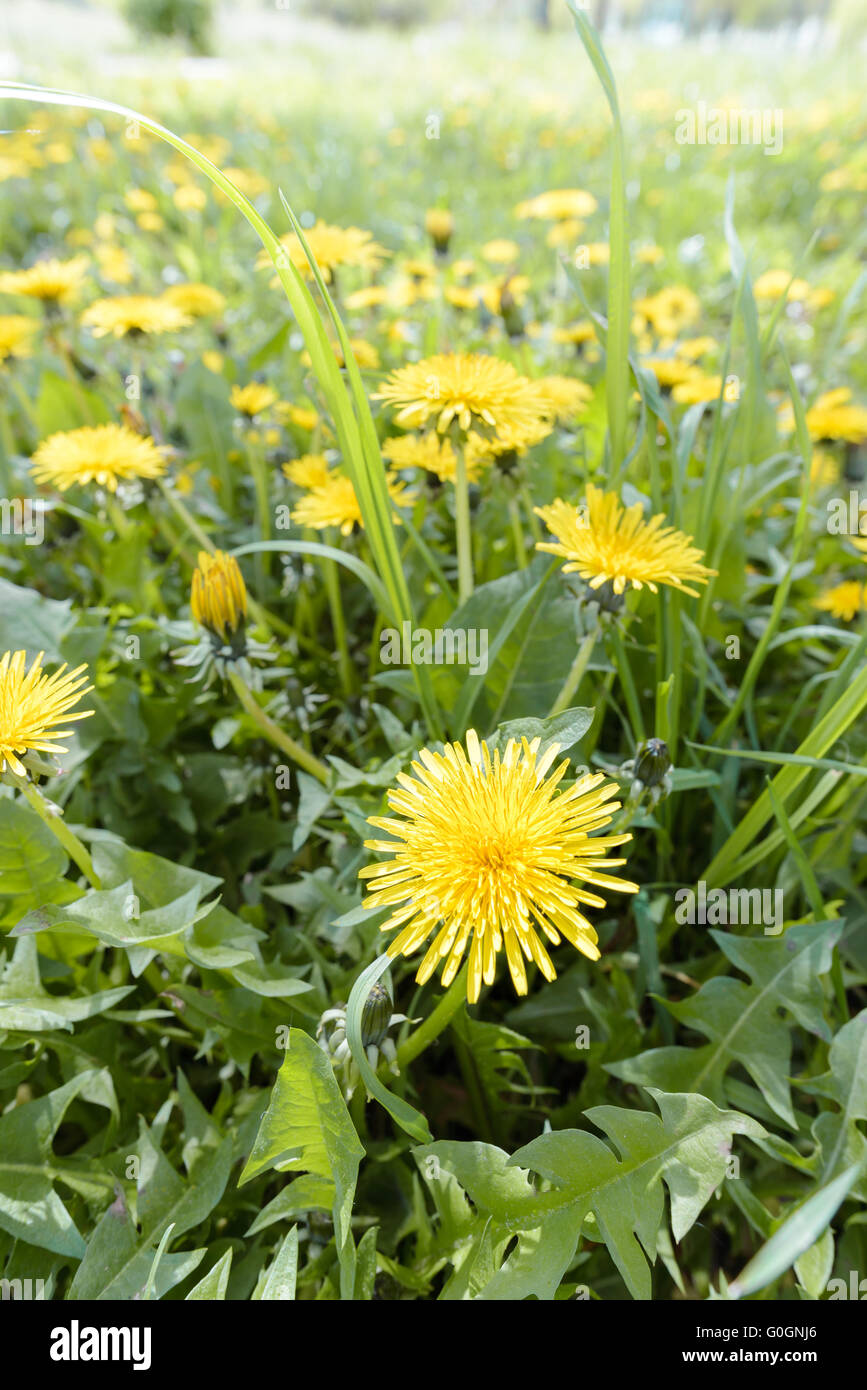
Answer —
32 705
101 454
607 543
468 387
485 856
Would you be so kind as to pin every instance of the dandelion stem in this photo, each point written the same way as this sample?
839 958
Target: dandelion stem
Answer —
338 623
434 1024
624 670
517 533
274 733
462 522
52 818
186 517
260 482
573 680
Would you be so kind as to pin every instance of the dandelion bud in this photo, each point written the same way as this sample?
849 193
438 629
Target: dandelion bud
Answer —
375 1016
219 597
439 225
652 763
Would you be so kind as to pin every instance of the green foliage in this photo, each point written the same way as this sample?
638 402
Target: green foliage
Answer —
187 20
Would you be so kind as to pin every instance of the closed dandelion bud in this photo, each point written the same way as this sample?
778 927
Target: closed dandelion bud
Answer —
219 597
652 763
513 319
375 1016
439 225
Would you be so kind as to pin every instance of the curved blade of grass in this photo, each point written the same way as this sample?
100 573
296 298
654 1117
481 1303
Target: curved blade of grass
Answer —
328 552
400 1110
619 311
759 755
797 1233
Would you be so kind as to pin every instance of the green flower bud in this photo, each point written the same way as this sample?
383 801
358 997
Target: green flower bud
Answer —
375 1016
652 762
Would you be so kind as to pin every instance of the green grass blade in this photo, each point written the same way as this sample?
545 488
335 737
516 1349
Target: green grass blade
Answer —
619 306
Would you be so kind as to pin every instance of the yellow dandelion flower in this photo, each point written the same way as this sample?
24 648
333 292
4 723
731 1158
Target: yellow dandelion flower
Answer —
334 503
247 181
671 310
195 299
101 454
140 200
564 233
845 601
607 543
330 247
114 264
150 221
649 255
429 451
370 297
558 205
485 856
824 468
134 314
832 416
418 269
33 705
462 296
218 599
500 251
308 471
704 388
50 280
694 348
188 197
252 399
469 388
584 331
671 371
562 397
16 332
774 284
304 417
509 439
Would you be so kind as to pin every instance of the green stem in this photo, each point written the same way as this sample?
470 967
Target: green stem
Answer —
427 1032
624 670
573 680
464 533
186 516
260 482
61 832
517 533
274 733
338 623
